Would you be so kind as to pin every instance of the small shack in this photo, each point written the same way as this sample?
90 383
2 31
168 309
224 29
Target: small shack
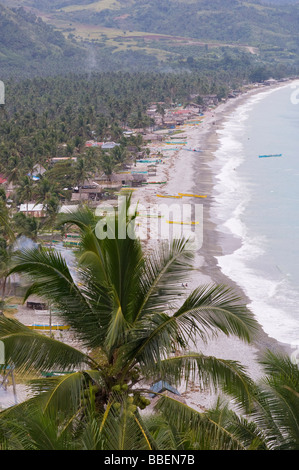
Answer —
33 210
36 305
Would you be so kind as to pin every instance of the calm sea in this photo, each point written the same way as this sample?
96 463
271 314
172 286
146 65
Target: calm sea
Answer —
257 199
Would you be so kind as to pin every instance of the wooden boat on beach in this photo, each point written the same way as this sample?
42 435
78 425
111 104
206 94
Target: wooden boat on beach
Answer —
181 223
176 143
71 243
154 182
169 196
36 326
191 195
176 138
149 161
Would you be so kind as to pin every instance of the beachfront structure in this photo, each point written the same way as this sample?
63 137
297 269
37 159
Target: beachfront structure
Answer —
62 159
38 169
3 180
66 209
34 210
152 137
88 194
93 143
109 145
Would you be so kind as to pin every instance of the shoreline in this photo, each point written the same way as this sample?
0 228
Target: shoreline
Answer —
191 172
196 173
221 243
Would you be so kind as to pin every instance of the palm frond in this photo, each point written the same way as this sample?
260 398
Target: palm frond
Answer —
165 436
209 373
208 310
28 350
210 430
162 276
277 402
84 218
124 430
51 279
35 430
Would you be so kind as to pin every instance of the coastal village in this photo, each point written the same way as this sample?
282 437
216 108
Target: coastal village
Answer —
149 281
164 136
144 174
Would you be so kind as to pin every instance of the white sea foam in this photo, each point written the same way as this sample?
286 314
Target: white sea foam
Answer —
272 298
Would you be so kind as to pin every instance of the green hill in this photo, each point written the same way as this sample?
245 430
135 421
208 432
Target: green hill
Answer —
214 20
169 34
28 45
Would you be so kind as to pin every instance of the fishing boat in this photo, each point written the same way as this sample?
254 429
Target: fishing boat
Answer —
175 143
36 326
149 161
154 182
71 243
73 235
127 188
191 195
169 196
53 373
271 155
182 223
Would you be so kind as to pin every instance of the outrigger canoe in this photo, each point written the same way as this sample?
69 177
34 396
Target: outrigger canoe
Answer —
191 195
150 161
176 143
154 182
71 243
36 326
181 223
169 196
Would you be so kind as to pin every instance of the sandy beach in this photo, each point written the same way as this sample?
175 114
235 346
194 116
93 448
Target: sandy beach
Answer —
192 172
195 172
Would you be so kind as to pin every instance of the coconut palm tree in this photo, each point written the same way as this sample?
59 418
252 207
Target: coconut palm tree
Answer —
82 171
7 239
29 428
25 190
276 410
45 191
273 425
124 309
107 164
218 428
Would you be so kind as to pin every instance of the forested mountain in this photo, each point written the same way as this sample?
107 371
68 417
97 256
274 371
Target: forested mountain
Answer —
214 20
28 45
107 35
229 20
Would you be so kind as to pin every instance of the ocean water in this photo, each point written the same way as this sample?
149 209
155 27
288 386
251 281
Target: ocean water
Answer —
257 200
